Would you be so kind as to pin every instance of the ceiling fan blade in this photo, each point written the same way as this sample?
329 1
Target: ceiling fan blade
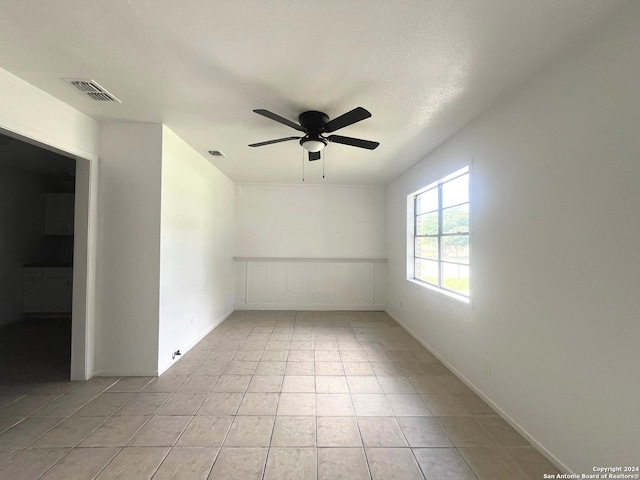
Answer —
269 142
278 118
354 142
314 156
349 118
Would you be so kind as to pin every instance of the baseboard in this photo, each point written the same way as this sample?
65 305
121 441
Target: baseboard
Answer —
535 443
308 306
197 340
118 373
161 370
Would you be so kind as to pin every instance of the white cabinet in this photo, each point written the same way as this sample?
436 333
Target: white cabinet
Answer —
57 290
32 290
48 289
58 213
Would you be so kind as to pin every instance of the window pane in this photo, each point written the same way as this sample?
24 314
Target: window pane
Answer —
456 219
456 191
456 278
427 271
427 224
441 212
427 201
427 247
455 248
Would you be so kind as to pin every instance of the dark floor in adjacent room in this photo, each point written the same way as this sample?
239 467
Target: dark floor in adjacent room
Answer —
34 351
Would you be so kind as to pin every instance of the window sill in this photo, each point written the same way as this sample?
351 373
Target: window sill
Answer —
444 294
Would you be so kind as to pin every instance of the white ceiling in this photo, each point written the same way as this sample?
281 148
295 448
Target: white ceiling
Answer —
423 68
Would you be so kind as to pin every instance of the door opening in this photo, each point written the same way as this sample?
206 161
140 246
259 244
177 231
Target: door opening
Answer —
43 206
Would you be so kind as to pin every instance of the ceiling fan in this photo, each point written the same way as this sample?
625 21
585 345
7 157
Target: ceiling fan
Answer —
314 124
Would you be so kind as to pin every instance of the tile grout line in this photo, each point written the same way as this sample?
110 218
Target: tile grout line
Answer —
102 423
66 418
321 334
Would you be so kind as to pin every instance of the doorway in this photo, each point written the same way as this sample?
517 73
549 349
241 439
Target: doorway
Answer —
43 245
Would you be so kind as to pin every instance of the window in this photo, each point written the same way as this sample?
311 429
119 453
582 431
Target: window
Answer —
441 234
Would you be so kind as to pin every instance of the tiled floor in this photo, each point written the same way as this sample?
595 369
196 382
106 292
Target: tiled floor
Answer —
269 395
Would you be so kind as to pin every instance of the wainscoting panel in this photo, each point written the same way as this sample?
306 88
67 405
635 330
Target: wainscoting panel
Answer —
310 284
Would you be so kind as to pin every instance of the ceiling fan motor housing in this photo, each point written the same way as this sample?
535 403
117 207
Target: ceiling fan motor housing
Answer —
313 121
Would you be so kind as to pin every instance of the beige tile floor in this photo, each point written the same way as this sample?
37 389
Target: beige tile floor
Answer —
274 396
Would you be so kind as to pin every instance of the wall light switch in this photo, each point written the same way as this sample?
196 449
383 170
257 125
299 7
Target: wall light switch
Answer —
487 366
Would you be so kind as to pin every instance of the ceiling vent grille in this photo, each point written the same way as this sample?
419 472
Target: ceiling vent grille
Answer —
216 153
92 90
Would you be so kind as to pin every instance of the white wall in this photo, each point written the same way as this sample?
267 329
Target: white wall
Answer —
128 280
555 176
310 247
21 235
310 221
196 250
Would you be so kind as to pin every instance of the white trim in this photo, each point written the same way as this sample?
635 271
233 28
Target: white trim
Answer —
441 292
306 185
310 259
38 138
84 252
118 373
530 438
308 306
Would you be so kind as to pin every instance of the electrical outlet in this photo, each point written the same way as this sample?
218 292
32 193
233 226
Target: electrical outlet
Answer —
400 304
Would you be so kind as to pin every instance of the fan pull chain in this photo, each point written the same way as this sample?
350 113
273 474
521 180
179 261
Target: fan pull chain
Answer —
323 154
303 152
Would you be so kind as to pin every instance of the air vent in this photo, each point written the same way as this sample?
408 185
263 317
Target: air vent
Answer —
216 153
92 90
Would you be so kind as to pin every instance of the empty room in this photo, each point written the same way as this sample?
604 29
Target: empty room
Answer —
319 240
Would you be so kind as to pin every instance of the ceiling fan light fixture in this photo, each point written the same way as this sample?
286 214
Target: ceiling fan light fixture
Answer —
314 144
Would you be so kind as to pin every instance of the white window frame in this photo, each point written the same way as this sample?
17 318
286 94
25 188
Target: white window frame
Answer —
412 230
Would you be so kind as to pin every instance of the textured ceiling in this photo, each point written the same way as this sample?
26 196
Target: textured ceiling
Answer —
423 68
